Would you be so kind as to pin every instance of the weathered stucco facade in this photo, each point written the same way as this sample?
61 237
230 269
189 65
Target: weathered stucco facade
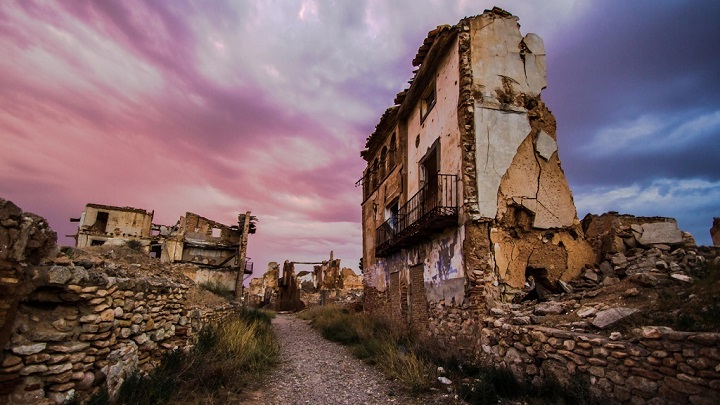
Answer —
101 224
464 184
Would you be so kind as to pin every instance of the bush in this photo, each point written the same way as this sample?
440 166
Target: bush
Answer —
218 288
376 340
134 244
222 362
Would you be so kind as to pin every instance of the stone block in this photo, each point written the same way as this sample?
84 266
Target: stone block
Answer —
610 316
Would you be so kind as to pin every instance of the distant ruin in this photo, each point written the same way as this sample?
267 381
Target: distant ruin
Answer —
216 248
327 283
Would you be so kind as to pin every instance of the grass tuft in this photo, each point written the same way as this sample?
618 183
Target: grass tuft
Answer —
225 358
376 340
218 288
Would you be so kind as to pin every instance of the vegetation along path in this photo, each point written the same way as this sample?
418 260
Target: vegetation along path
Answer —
316 371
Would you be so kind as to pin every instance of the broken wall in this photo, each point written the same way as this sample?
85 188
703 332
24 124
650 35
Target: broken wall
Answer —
612 233
201 240
288 298
101 224
523 216
25 239
715 232
263 291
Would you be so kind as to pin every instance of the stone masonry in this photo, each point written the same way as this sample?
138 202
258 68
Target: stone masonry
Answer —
68 329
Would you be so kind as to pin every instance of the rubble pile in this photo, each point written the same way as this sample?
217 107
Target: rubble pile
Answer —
638 273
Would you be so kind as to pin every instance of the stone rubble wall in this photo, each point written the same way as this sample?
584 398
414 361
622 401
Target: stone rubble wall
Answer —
653 364
25 239
80 329
679 367
682 367
68 330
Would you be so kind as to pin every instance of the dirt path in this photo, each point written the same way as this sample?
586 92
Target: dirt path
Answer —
317 371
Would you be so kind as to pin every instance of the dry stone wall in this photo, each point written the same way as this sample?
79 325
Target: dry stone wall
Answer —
69 329
679 367
580 335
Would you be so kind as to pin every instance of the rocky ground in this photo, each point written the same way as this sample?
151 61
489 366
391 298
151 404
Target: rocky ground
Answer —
317 371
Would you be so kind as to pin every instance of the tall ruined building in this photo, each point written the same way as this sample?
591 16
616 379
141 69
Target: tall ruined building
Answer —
464 197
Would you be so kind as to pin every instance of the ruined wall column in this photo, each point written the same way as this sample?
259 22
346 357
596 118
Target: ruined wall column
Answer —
242 254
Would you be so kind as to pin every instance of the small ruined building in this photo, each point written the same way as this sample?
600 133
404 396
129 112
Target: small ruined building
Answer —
464 197
290 291
214 247
100 224
715 232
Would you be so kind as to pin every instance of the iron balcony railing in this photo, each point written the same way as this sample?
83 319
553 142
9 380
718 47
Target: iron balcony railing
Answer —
433 207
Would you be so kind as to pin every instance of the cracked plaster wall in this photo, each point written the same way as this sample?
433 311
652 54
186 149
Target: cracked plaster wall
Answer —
440 124
522 190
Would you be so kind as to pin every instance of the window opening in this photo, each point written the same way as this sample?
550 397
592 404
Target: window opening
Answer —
393 151
101 221
383 163
428 102
391 213
429 170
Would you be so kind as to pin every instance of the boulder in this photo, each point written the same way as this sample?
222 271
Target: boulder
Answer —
610 316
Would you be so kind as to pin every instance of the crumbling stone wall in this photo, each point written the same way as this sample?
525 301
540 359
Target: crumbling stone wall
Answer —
25 239
568 338
522 221
659 363
289 290
715 232
69 329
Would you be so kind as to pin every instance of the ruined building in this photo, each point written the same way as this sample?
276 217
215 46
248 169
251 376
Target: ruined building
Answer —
464 197
214 247
99 224
70 326
468 219
290 290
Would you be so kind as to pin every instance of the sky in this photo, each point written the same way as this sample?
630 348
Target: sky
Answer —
221 107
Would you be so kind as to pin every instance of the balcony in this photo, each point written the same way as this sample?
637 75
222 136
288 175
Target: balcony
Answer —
432 208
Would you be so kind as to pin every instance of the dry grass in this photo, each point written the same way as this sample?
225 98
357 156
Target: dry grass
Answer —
227 358
379 341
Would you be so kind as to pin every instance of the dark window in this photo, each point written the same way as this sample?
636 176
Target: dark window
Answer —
428 102
393 151
101 221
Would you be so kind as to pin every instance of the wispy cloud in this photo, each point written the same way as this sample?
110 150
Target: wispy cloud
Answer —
226 106
650 134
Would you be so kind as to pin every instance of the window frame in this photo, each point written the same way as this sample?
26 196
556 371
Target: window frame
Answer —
428 101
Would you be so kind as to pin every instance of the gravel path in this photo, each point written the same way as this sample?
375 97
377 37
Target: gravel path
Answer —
317 371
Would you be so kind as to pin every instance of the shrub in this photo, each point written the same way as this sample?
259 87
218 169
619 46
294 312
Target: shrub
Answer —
218 288
134 244
222 362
